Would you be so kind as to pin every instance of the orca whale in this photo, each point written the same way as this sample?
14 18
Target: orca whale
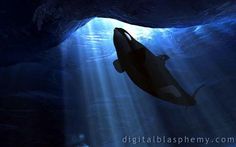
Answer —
148 71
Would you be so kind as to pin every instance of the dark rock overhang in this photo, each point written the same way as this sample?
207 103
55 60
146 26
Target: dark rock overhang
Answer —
28 27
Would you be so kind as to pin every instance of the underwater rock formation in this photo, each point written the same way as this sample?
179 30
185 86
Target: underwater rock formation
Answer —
28 27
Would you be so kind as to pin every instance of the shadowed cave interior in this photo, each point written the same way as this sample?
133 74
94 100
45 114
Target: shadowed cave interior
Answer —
53 91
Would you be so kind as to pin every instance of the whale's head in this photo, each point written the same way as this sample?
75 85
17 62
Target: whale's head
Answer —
119 32
124 42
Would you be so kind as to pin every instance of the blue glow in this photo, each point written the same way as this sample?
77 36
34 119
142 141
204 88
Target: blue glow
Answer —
112 106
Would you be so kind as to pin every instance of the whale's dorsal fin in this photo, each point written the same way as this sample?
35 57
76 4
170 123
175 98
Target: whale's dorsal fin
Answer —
117 66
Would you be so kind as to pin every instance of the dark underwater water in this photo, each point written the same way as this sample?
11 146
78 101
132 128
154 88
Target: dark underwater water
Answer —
80 92
113 107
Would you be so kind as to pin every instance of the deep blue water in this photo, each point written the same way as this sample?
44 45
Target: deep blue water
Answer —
105 105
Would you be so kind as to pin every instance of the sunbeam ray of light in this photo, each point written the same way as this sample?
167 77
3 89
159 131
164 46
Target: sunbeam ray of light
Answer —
111 104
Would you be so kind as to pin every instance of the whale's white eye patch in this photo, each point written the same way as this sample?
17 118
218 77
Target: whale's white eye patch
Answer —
171 89
128 36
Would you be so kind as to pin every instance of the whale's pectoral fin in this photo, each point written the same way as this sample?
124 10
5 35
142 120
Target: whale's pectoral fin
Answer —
117 66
